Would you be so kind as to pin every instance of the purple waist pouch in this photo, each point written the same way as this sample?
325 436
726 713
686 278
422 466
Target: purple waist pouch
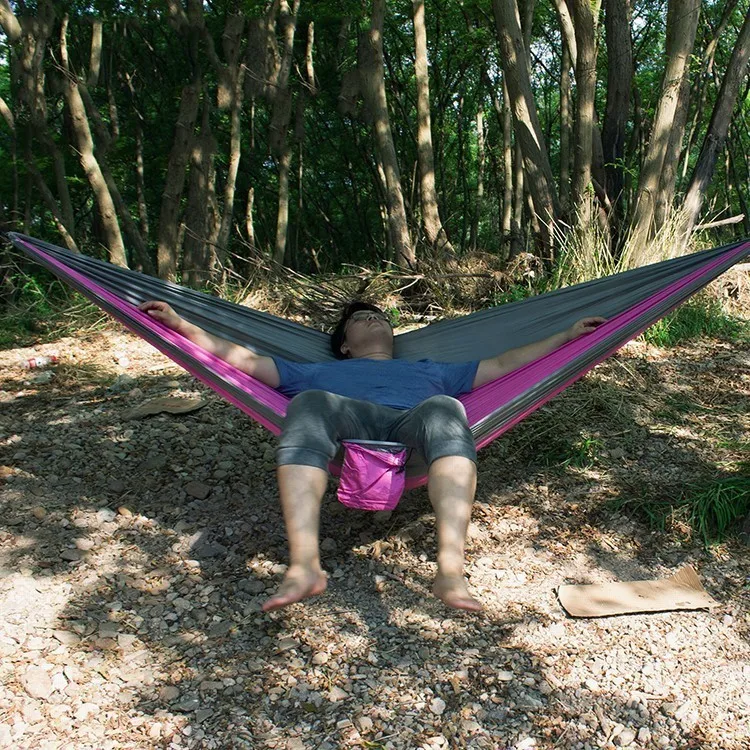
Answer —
373 474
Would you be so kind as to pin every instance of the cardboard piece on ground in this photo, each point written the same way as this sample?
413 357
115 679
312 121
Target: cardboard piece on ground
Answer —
173 404
683 590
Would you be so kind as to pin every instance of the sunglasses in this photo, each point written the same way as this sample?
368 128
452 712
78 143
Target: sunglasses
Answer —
368 315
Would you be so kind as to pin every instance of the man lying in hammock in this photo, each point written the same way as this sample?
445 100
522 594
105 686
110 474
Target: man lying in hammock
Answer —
369 395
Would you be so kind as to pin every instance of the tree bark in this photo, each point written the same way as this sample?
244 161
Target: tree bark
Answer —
433 226
682 23
477 212
91 167
95 59
235 81
585 19
167 245
280 118
565 128
619 80
526 121
372 75
198 256
718 127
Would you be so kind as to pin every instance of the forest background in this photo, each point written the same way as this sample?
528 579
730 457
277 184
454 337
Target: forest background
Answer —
191 139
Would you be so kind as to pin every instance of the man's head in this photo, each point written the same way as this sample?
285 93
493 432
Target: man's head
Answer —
362 330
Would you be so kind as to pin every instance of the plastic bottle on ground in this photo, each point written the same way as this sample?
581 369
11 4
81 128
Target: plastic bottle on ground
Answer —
34 363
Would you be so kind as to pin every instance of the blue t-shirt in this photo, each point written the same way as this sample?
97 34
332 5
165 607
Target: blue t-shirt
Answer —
397 383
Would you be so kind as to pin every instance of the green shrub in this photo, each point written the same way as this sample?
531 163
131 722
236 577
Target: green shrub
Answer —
702 316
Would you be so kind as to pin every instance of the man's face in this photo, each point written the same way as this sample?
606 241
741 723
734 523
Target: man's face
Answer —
367 328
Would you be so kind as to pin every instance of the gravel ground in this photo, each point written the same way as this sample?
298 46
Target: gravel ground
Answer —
134 554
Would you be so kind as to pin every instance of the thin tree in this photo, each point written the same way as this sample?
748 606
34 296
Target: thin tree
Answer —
372 76
716 135
433 226
682 23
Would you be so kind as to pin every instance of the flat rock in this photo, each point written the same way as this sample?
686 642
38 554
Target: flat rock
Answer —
37 682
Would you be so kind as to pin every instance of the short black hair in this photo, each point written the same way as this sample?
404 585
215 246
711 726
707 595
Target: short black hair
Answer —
339 332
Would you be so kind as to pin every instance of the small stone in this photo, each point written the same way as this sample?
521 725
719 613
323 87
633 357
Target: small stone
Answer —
86 710
38 512
437 706
31 713
505 676
625 737
668 708
188 703
85 545
591 684
197 490
71 555
337 694
328 545
123 510
168 693
59 681
364 723
116 485
105 515
286 644
320 658
37 683
253 586
202 714
644 735
66 637
525 743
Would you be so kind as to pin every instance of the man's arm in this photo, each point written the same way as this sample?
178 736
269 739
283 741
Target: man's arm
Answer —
496 367
262 368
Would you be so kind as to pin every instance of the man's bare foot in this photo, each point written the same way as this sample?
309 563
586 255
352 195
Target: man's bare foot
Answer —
298 584
453 591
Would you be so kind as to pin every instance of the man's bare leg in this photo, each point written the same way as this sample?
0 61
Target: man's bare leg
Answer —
301 489
451 486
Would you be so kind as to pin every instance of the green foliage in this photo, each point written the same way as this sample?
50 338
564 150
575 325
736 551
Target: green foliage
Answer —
702 316
709 510
714 507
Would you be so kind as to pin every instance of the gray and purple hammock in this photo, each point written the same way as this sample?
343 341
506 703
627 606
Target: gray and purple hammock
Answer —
631 301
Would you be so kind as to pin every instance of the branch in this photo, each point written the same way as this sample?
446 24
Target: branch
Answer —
721 223
9 22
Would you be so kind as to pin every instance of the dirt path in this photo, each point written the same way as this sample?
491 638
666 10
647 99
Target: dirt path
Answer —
134 554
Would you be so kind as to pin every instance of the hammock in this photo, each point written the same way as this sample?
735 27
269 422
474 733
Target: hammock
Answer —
631 301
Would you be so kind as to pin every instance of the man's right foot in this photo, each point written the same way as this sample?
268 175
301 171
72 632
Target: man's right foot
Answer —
298 584
454 591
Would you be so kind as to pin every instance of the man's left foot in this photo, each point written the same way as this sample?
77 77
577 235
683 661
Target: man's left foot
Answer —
454 591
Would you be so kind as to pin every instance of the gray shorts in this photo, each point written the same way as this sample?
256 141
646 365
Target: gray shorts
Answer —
317 421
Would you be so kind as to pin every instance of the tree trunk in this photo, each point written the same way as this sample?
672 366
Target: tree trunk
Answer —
585 19
668 176
89 162
477 212
235 82
280 118
525 118
507 171
198 250
372 74
682 23
249 225
433 226
619 80
95 60
565 128
174 183
718 127
140 178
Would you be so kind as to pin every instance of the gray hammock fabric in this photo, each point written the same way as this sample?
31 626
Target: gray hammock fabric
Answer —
631 301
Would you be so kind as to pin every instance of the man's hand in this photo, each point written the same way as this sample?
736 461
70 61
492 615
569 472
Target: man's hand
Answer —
584 325
162 312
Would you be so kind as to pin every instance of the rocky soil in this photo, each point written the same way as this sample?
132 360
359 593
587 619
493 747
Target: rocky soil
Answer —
135 552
